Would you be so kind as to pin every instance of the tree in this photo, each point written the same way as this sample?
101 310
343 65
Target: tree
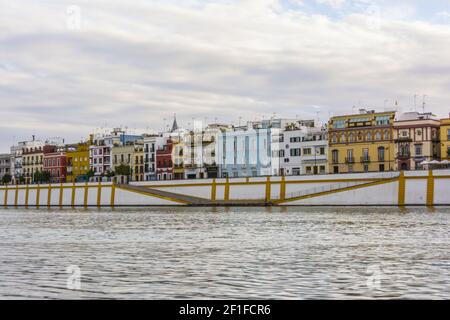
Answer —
110 174
21 179
123 170
41 176
7 178
46 176
90 173
37 177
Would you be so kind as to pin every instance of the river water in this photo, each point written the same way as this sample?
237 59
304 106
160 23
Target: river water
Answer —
225 253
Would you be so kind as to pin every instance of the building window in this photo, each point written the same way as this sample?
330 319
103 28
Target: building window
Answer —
308 170
448 134
296 152
335 156
387 135
296 171
378 136
351 137
382 121
343 140
334 139
350 158
322 151
381 154
418 150
335 169
339 124
366 168
307 151
322 169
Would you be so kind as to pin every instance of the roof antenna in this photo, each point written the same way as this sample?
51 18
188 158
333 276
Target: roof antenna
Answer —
423 103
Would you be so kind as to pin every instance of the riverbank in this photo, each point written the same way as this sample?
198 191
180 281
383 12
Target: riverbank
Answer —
411 188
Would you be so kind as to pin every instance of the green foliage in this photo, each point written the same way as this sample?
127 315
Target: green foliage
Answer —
123 170
90 173
6 179
41 177
21 179
110 174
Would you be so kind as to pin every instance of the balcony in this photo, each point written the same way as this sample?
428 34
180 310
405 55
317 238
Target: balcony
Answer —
404 155
365 159
350 160
403 139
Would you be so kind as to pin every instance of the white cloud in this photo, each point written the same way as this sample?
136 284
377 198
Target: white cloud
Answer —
332 3
136 63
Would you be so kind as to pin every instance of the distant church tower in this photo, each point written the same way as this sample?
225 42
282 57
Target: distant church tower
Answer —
175 124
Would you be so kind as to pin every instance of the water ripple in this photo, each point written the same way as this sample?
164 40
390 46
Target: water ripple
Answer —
234 253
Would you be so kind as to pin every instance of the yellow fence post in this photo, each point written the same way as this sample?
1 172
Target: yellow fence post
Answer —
86 194
213 190
16 196
49 195
72 201
401 189
283 188
268 189
99 194
5 200
226 196
61 194
430 189
113 194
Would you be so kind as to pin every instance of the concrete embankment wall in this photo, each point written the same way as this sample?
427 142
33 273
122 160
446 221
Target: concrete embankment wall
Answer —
431 188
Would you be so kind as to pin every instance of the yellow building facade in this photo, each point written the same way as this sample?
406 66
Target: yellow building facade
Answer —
77 162
361 142
131 155
445 139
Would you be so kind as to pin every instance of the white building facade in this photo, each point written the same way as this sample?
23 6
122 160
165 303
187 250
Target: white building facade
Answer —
303 151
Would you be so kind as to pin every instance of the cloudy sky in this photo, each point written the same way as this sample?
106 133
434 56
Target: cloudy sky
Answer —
69 67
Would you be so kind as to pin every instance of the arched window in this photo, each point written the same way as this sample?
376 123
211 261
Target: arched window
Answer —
378 136
351 137
387 135
334 138
369 136
343 140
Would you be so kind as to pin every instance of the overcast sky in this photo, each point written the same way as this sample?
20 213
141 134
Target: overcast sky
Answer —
69 67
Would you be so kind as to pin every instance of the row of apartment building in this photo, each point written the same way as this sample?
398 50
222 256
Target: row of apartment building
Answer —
365 142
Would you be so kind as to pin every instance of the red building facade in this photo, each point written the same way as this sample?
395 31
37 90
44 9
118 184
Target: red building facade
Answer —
164 165
55 163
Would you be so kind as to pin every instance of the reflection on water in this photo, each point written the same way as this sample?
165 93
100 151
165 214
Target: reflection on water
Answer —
219 253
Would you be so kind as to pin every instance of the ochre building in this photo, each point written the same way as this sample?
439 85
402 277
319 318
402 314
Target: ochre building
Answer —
361 142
